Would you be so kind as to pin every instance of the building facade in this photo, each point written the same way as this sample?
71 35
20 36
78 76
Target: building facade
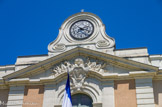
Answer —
100 75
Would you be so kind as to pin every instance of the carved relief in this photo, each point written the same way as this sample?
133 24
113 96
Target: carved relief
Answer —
59 47
102 44
78 70
94 66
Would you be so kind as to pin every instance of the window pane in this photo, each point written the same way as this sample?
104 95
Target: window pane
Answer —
81 100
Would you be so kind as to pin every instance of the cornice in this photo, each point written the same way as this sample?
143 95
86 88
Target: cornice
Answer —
48 63
91 74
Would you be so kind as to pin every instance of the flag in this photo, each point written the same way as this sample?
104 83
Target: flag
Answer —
67 102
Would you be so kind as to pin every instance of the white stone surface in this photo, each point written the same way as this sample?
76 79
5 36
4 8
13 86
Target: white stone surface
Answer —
156 60
135 52
4 70
148 95
144 93
23 62
141 59
49 96
150 105
145 101
30 59
144 90
108 94
16 95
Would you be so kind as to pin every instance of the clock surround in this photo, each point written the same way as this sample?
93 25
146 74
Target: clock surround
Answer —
97 40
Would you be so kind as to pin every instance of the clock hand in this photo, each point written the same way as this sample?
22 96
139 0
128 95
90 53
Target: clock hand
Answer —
84 33
80 27
84 28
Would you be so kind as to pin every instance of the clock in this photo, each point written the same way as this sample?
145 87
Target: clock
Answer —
81 29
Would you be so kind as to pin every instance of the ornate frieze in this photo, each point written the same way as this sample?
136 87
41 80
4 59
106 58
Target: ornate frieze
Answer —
78 70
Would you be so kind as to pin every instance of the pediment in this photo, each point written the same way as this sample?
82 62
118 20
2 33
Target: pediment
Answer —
98 63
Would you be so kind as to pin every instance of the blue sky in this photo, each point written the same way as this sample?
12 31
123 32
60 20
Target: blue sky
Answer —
28 26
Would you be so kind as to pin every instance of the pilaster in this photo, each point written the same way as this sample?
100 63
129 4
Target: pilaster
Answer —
108 94
49 96
144 93
16 95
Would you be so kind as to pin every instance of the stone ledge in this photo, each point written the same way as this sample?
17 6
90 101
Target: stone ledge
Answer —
97 104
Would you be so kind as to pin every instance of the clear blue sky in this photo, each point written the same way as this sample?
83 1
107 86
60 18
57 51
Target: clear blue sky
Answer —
28 26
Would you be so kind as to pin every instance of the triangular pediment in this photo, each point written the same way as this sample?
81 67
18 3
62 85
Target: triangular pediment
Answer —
111 65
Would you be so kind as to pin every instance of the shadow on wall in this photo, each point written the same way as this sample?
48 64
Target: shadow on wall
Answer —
157 86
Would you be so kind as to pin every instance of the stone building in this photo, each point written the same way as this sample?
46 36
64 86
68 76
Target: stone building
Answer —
100 74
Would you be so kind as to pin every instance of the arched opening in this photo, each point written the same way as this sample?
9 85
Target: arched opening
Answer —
81 100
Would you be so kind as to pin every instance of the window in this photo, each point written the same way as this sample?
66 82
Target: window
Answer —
81 100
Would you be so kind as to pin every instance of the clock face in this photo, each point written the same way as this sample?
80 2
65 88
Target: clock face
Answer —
81 29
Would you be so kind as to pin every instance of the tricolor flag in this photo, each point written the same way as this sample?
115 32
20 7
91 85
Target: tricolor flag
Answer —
67 102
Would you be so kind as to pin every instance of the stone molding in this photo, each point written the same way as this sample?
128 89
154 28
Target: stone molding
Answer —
48 63
91 87
58 106
97 104
94 92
